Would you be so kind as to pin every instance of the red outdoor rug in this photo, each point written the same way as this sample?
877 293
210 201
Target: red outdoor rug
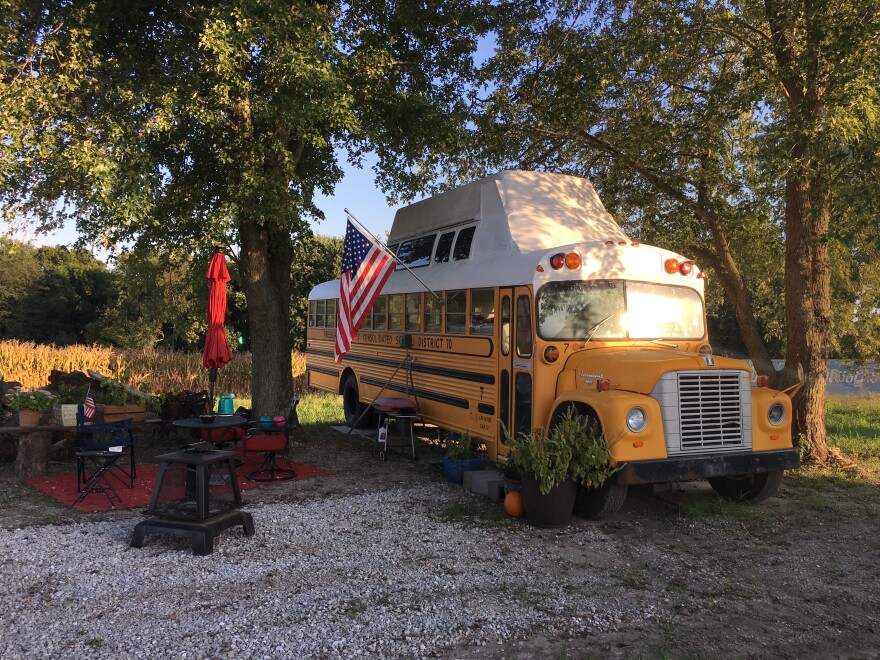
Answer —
63 487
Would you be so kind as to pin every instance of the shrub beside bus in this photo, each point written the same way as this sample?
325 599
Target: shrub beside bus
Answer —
539 302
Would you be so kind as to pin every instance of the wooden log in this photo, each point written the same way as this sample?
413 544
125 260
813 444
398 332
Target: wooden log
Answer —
32 459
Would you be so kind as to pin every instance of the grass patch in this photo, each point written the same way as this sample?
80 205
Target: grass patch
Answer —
718 506
853 425
320 409
474 512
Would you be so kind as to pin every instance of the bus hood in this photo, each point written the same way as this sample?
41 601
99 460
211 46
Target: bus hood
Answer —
638 369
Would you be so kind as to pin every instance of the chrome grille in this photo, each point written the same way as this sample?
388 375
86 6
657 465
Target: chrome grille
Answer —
705 411
710 406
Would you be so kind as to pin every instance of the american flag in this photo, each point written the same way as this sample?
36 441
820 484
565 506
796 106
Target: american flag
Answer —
365 268
89 406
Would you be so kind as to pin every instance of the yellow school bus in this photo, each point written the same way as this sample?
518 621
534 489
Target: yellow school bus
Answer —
538 302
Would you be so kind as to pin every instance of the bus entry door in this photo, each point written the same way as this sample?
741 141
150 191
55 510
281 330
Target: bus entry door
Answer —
515 359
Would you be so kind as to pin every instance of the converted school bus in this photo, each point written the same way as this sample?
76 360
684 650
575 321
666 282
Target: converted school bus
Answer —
546 304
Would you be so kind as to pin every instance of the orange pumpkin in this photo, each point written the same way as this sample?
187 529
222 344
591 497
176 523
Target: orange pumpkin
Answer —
513 504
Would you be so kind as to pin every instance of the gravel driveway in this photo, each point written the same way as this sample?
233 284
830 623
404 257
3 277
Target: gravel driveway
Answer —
388 560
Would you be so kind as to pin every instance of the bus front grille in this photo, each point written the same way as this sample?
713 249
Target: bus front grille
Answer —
705 411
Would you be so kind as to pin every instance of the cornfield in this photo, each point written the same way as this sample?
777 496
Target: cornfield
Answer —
150 371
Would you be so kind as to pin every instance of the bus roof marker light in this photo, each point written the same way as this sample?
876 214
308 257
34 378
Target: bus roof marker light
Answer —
671 266
557 261
573 260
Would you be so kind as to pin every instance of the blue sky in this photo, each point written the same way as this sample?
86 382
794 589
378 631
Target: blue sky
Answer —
357 192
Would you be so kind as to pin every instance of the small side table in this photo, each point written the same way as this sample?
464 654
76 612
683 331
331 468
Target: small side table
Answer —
407 420
196 496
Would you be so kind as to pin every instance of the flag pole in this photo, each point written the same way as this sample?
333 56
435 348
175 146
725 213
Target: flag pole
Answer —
388 250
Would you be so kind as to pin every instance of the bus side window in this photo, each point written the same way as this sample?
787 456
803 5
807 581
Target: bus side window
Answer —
319 314
330 318
313 305
380 310
444 247
414 312
456 311
483 311
395 312
463 244
432 313
523 327
416 252
505 326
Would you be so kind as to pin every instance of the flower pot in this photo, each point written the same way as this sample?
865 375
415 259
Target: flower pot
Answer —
65 414
550 510
138 414
454 470
29 418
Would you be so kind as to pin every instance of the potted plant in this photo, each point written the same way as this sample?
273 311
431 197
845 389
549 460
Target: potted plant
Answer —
461 456
115 394
29 404
552 466
69 398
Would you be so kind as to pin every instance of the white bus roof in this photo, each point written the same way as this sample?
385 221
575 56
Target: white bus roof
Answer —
517 212
519 216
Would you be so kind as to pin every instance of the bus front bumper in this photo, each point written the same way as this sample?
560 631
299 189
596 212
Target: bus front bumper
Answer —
706 467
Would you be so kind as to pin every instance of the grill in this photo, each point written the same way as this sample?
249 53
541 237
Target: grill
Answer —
197 496
705 411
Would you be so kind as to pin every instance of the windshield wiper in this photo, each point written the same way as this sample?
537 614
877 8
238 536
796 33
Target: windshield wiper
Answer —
595 327
664 343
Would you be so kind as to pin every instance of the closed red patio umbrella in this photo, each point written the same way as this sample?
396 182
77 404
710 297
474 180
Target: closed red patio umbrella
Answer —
216 352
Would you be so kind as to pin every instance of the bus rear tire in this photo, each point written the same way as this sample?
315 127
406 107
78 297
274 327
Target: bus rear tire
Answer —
597 503
752 488
352 407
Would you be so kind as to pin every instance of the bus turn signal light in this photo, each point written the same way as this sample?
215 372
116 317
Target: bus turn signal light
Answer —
671 266
603 385
573 260
763 381
551 354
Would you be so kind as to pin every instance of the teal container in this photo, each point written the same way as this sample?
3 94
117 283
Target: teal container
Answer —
226 405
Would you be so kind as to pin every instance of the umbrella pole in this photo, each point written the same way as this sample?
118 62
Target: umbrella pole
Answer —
212 379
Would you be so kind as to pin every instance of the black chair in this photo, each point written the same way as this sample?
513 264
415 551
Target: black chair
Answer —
100 450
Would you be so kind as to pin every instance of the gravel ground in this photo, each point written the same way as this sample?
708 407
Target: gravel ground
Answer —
388 560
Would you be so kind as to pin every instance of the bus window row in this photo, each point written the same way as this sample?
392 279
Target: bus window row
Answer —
454 245
462 312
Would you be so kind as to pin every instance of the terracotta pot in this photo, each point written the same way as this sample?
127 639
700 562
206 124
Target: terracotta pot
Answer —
550 510
138 414
29 418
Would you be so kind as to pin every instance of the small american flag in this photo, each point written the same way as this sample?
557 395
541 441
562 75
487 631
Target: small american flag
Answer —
89 406
365 268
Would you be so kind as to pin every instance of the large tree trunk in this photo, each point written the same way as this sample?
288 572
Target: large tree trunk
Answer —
265 262
808 305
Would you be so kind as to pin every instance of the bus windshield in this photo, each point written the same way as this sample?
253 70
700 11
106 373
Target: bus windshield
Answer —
634 310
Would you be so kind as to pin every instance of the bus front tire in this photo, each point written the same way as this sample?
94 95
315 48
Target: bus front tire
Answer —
752 488
597 503
351 404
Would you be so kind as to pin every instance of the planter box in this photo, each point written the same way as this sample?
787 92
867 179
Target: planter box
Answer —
65 414
138 414
454 470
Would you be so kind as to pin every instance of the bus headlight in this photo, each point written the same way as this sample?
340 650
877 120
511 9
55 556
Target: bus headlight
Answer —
636 420
776 414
